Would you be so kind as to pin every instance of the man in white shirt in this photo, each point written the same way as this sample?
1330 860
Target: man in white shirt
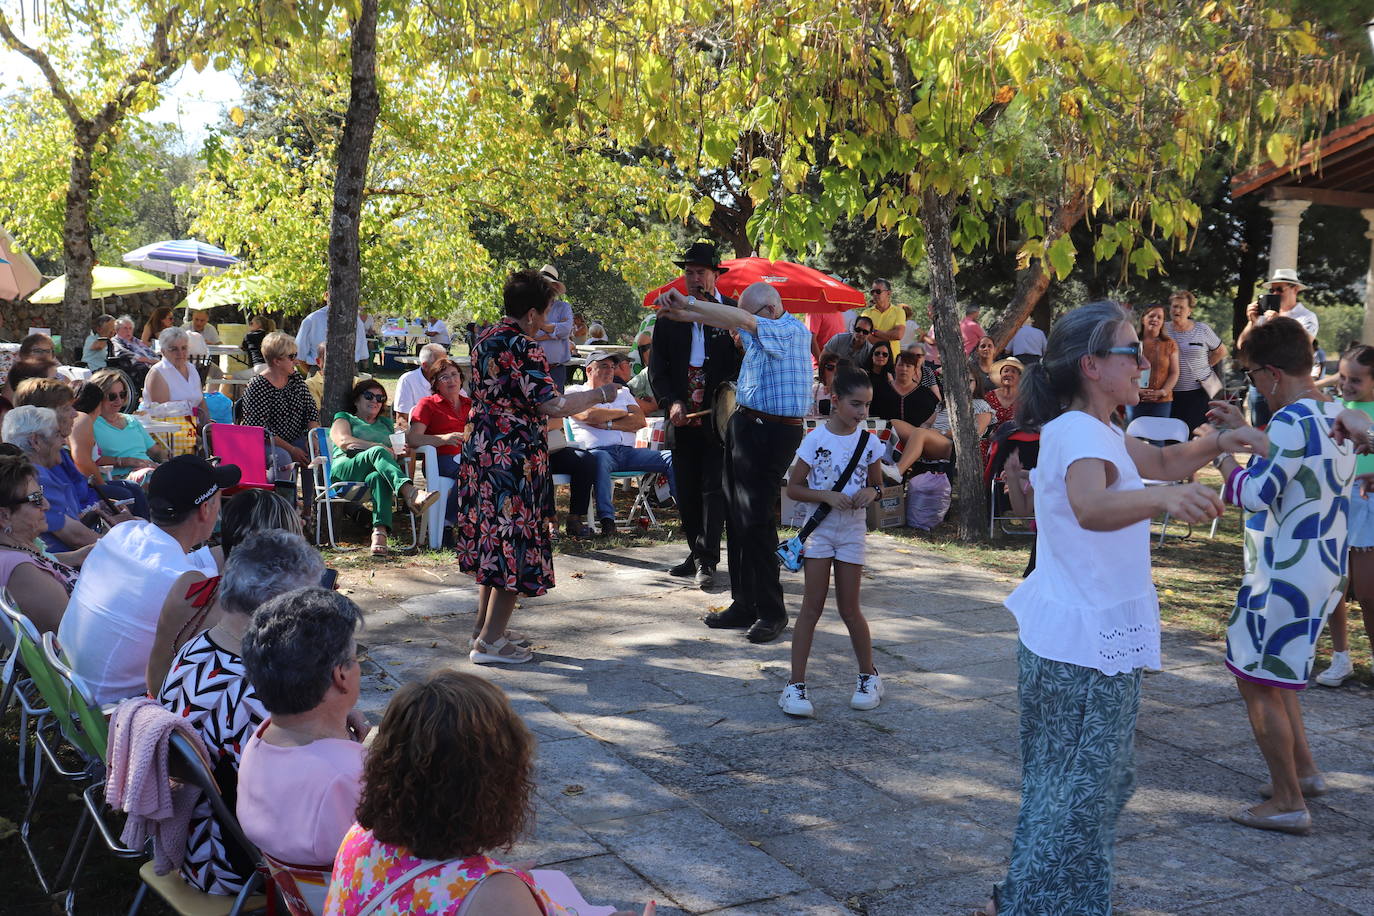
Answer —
136 570
608 432
200 323
1028 344
1286 285
412 385
437 331
315 328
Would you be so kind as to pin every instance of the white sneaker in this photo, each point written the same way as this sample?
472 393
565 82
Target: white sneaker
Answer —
868 691
794 702
1340 669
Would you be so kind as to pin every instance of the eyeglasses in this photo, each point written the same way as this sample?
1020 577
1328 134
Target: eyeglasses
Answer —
36 498
882 354
876 292
374 396
42 351
1250 373
116 395
446 377
1131 350
829 367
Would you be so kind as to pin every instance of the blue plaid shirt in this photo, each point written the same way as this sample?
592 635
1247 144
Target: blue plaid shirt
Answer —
776 375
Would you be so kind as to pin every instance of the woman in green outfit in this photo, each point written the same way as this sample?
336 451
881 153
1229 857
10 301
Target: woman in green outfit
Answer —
362 452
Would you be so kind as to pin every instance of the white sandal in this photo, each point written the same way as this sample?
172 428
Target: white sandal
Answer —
501 652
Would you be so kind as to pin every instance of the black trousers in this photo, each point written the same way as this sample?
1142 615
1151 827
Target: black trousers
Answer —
580 465
758 453
698 465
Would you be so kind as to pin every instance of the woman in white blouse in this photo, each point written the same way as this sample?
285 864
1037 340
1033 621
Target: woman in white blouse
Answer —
1088 614
173 378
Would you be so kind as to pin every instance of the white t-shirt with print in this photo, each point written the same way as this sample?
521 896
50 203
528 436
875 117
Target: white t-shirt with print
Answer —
828 455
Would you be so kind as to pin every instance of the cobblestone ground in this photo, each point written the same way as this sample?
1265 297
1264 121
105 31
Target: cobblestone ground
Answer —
667 771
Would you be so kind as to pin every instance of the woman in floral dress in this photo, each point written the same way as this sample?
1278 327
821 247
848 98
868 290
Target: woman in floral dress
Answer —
505 501
1297 504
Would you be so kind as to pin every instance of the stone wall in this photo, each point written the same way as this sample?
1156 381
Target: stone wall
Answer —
17 315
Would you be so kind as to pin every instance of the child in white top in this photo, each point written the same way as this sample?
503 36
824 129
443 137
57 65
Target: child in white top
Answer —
821 459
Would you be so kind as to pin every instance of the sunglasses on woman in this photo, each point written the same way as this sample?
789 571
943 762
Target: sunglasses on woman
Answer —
378 396
1131 350
116 395
35 498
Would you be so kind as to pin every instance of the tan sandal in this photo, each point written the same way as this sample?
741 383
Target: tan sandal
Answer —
420 500
520 639
379 544
501 652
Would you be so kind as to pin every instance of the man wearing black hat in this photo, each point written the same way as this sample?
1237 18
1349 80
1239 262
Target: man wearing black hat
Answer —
112 617
688 362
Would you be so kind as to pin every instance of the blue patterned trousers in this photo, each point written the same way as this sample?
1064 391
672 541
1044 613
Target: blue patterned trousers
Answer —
1077 772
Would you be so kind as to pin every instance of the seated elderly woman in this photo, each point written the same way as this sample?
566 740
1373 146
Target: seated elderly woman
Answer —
173 378
185 616
362 452
37 582
447 781
277 400
128 347
73 507
37 346
301 771
207 684
108 437
86 489
440 420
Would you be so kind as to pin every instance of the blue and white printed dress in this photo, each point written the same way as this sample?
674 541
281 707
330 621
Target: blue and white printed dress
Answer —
1298 503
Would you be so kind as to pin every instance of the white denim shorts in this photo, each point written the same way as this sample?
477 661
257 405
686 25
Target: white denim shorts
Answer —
840 536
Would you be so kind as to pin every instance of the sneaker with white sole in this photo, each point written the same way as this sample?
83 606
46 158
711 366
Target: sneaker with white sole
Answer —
794 702
868 691
1339 670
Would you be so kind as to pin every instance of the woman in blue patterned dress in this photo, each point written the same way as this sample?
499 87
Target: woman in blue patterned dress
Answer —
1087 615
1298 505
505 497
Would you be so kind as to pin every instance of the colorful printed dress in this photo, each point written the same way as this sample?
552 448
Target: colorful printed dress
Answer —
367 869
504 499
1295 545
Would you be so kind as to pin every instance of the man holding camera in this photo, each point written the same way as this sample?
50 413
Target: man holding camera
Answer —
1280 298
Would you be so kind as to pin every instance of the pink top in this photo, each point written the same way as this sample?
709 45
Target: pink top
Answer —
296 803
972 332
10 560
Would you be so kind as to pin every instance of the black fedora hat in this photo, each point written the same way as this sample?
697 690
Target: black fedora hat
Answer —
702 254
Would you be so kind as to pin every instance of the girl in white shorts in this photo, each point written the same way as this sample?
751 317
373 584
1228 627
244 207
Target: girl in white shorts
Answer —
1355 383
822 457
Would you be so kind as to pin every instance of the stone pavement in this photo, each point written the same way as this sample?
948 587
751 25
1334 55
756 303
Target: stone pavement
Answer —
667 772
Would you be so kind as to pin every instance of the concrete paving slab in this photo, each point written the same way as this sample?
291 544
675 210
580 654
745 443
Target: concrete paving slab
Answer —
586 783
554 840
1333 846
618 885
813 903
953 654
706 867
1174 873
760 806
1279 901
970 682
1353 890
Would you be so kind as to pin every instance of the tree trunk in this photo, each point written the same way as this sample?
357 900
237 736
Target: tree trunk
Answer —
970 500
78 255
1033 280
350 177
732 224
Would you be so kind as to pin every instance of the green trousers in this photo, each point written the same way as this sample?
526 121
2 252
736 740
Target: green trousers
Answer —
379 468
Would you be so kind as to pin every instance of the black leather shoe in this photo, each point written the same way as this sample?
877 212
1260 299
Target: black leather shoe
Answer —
687 567
732 618
705 578
767 630
608 528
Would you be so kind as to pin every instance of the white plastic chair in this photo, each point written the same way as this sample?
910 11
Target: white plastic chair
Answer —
1161 431
434 515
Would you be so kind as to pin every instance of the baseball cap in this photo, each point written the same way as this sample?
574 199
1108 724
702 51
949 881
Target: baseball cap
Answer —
597 355
186 482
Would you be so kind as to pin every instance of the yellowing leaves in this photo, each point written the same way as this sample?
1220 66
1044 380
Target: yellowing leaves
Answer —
236 115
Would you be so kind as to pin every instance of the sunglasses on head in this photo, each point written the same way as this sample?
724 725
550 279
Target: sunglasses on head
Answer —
375 396
116 395
34 499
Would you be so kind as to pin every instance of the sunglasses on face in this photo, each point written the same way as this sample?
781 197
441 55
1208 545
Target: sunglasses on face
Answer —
36 498
374 396
876 292
116 395
862 331
881 354
1131 350
829 367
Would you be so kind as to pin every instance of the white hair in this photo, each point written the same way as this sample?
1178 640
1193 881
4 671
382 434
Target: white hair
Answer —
172 335
432 353
122 320
22 424
758 296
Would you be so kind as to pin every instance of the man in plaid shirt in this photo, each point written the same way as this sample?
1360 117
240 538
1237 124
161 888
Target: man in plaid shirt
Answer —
774 394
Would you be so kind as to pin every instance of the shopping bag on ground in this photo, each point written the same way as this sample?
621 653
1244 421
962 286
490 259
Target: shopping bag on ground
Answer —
927 500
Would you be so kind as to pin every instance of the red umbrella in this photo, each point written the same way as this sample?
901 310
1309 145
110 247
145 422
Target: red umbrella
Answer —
803 289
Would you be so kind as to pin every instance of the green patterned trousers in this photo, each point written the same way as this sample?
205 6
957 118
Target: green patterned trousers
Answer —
1077 772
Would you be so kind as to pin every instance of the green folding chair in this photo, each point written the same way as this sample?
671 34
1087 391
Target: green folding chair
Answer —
18 686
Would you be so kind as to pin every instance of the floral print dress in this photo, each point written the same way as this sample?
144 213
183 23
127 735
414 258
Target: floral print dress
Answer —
505 503
366 869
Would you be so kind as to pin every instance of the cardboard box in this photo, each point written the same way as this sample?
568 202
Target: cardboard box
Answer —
888 510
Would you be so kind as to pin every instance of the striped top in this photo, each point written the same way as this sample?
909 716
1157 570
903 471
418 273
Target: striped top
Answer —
1193 346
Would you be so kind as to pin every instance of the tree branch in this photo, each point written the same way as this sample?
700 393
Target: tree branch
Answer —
59 90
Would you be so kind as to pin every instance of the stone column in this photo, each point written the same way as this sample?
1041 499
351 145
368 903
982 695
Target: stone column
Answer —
1368 332
1283 242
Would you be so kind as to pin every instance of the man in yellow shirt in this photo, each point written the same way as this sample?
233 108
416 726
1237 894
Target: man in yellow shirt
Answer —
888 323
